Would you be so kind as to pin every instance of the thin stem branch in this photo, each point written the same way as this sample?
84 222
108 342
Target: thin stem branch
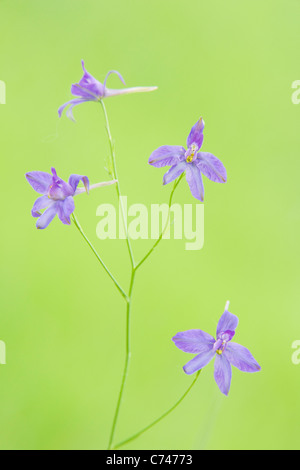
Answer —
129 297
127 360
136 435
115 176
165 227
78 226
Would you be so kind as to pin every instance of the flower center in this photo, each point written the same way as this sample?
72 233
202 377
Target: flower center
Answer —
56 192
223 338
220 347
190 154
59 190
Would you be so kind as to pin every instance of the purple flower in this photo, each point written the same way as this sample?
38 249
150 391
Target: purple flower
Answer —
226 352
57 195
89 89
191 161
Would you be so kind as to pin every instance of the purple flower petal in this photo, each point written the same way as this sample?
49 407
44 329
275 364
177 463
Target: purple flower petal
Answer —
41 203
200 361
65 209
75 179
194 341
47 216
194 179
166 155
226 335
117 73
222 373
196 134
241 358
88 87
72 103
211 167
174 172
59 189
228 321
39 180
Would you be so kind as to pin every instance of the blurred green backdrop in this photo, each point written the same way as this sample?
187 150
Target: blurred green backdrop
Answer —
61 319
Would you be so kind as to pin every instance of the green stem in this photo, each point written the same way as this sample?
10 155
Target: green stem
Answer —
136 435
165 227
78 226
115 176
127 360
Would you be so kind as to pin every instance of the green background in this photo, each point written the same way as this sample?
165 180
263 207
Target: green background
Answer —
61 318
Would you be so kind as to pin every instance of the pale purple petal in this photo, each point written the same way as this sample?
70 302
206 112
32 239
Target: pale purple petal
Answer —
75 179
41 203
194 341
166 155
117 73
174 172
65 209
228 321
222 373
47 216
226 335
200 361
63 106
211 167
39 180
241 358
194 179
69 112
196 134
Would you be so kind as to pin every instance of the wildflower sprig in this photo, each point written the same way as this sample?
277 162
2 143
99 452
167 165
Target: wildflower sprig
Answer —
57 199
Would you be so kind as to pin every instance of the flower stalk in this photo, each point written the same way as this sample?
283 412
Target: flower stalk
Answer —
79 228
156 421
114 166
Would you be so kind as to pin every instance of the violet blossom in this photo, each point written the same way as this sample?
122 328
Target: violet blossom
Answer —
226 352
90 89
191 161
57 195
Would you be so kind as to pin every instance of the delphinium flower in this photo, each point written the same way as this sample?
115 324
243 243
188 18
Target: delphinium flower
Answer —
191 161
57 195
90 89
226 352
